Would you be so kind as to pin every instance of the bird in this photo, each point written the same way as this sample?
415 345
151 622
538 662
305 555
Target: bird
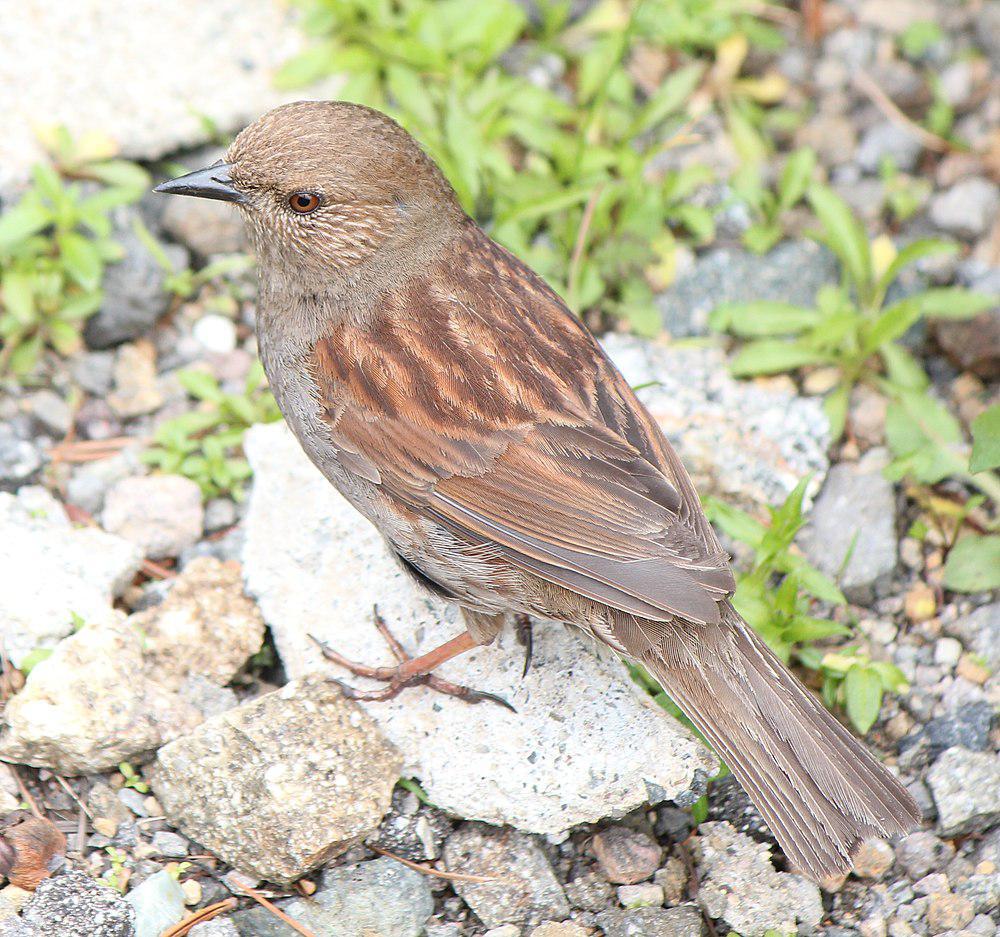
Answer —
31 849
452 397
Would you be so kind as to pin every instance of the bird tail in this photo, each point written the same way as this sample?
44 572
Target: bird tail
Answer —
819 790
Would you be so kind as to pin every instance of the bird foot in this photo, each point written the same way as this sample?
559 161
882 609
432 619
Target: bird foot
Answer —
525 637
410 671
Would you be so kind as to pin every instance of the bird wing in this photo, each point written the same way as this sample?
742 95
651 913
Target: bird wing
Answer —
478 401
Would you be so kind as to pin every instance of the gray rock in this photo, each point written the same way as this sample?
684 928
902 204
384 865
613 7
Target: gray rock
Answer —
158 903
966 789
626 856
51 412
19 460
685 921
855 513
169 844
987 23
220 513
161 514
93 371
74 905
982 891
89 484
608 753
887 140
979 631
281 784
967 209
137 388
380 898
53 571
134 294
741 887
791 273
523 890
968 726
217 927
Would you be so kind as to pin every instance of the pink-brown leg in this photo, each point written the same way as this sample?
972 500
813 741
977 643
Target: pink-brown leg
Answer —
410 671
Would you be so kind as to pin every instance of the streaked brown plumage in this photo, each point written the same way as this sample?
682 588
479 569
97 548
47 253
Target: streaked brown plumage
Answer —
452 397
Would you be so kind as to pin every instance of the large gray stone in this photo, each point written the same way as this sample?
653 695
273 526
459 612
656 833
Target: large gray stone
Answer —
380 898
146 73
522 888
741 887
791 273
53 573
980 633
75 905
584 743
281 784
855 515
966 790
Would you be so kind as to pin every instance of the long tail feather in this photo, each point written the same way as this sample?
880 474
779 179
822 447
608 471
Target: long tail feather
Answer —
817 787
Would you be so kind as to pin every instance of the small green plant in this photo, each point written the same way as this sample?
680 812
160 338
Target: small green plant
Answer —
904 195
918 37
118 875
205 444
183 282
852 328
565 177
768 205
132 778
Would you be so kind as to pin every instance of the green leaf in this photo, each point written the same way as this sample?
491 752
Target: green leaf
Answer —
670 97
26 218
973 565
81 259
890 325
770 356
306 67
762 318
200 384
911 253
762 236
835 407
863 696
18 296
903 370
795 177
986 440
844 235
954 303
33 658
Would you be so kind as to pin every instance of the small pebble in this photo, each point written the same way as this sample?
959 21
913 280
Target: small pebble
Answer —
559 929
215 333
969 668
504 930
931 884
920 603
873 859
171 845
626 855
647 895
947 652
948 912
192 892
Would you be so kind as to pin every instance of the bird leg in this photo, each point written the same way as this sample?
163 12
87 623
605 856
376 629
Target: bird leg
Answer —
410 671
524 634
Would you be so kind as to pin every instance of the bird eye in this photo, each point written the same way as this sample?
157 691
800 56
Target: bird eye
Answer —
304 202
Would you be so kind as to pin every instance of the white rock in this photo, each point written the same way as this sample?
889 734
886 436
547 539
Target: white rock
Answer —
968 208
215 333
162 514
145 72
750 442
52 571
584 743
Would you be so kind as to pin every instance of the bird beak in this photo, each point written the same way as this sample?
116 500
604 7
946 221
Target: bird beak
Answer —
211 182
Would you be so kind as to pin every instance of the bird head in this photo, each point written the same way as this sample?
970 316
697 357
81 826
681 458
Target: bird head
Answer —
326 185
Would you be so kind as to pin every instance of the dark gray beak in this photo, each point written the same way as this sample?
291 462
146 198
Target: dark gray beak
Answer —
211 182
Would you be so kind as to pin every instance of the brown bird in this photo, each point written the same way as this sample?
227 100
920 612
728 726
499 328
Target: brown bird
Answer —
455 401
31 849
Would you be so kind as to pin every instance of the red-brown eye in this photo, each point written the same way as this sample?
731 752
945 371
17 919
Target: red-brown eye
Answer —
304 202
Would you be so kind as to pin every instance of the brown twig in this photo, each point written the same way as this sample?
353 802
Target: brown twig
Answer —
581 240
812 19
156 570
198 917
89 450
64 784
427 870
890 109
25 793
276 911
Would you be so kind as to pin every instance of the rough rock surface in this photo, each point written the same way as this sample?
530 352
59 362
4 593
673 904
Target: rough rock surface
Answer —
281 784
317 568
684 921
742 888
855 514
380 898
161 514
75 905
122 687
758 458
146 73
966 789
523 890
205 626
53 571
158 903
980 632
